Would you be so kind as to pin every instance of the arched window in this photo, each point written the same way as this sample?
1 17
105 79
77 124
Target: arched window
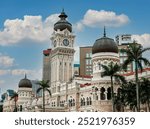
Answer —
99 66
102 94
20 108
87 101
109 93
83 101
73 102
96 96
90 101
70 103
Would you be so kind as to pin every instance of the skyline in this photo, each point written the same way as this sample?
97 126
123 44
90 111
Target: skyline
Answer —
26 26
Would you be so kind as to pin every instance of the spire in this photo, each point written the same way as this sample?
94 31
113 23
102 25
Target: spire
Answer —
63 10
63 16
25 76
104 32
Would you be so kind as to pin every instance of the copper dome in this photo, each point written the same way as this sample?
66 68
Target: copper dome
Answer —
62 23
25 83
104 44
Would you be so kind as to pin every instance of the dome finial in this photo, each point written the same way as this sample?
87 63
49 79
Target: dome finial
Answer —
104 31
25 76
63 10
63 16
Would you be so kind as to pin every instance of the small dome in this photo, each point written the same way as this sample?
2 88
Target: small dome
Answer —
104 44
62 23
25 83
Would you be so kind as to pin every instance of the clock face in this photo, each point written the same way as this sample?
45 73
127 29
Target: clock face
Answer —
66 42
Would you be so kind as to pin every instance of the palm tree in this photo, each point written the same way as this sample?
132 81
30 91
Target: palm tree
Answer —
145 92
112 71
134 53
130 95
15 97
44 87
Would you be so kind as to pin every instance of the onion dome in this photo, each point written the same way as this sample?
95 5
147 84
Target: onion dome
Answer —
25 83
104 44
62 23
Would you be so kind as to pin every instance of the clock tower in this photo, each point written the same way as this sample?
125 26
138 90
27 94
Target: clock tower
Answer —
62 55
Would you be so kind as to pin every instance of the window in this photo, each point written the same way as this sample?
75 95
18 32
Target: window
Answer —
102 94
82 102
87 55
87 61
99 66
109 93
90 101
90 54
87 101
90 61
96 97
73 102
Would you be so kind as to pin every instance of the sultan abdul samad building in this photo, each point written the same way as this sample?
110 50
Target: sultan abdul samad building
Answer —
70 92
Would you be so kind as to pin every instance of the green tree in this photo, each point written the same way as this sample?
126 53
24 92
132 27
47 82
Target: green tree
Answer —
120 99
130 95
44 86
112 71
134 53
15 97
145 92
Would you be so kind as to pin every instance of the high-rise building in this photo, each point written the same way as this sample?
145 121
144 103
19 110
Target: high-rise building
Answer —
123 57
35 86
47 64
86 60
123 39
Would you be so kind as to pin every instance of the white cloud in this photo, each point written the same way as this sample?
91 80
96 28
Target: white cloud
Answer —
143 39
76 55
20 71
4 72
33 74
94 18
30 27
6 61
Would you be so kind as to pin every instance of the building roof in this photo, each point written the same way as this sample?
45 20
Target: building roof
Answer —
47 52
63 24
76 65
25 83
10 92
104 44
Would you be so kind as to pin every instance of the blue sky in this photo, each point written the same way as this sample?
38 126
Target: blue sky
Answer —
20 20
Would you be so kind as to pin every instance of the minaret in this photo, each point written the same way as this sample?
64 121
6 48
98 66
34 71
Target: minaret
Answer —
62 54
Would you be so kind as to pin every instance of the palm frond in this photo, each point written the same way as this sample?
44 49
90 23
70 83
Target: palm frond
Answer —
146 61
14 96
120 78
39 89
145 49
49 91
139 64
126 63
